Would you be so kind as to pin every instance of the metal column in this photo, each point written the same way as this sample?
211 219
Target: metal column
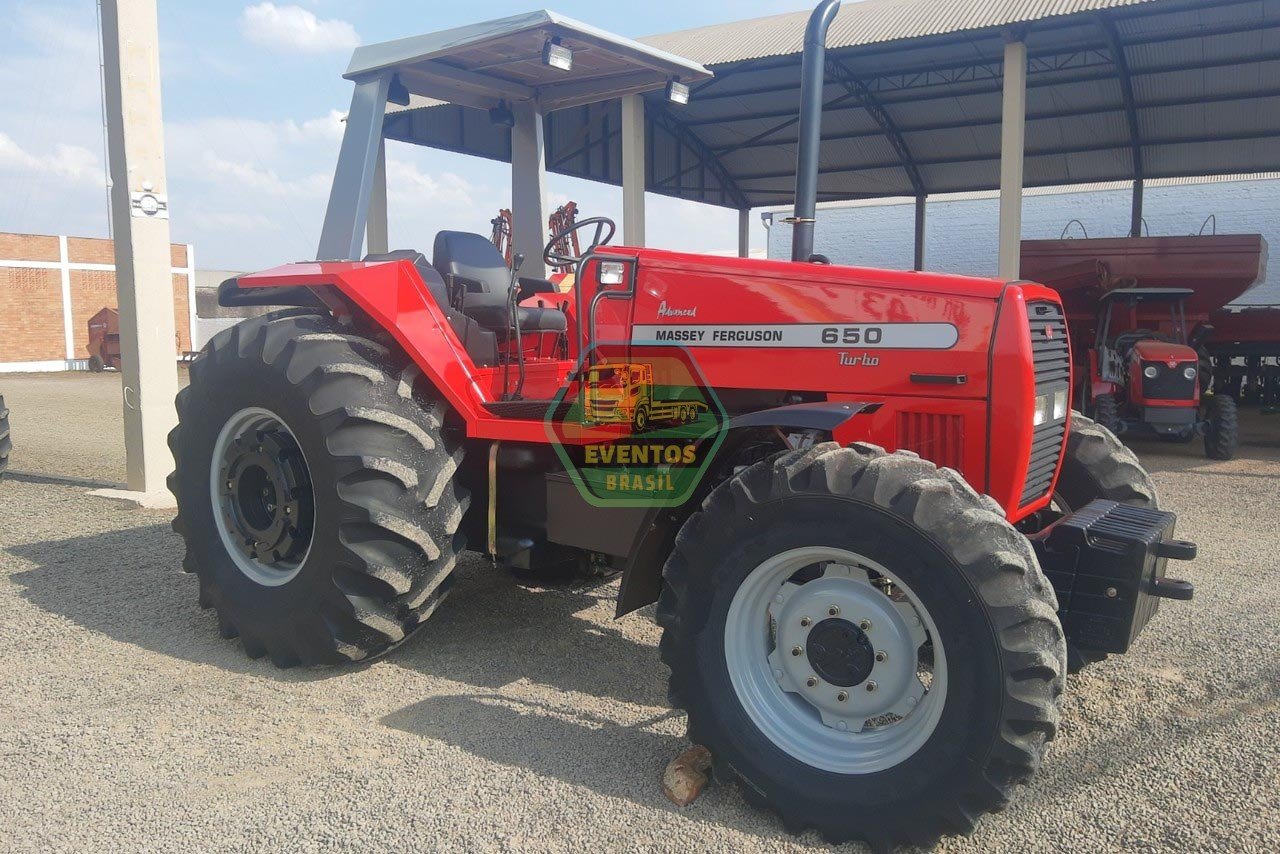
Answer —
921 202
376 230
744 233
1013 125
1135 218
528 188
139 211
633 171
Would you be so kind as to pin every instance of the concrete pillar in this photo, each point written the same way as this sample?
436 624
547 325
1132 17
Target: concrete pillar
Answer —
376 229
1013 126
744 233
633 171
921 202
528 188
139 210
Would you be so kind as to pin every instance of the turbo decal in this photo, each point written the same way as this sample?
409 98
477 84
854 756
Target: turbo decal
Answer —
869 336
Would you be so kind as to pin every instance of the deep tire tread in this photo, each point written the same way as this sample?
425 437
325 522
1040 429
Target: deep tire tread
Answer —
1000 564
401 504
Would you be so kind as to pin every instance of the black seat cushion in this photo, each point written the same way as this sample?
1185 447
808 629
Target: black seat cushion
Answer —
493 312
472 258
430 276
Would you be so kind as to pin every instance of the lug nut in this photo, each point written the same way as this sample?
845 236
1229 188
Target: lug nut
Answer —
865 625
834 610
871 686
842 696
805 621
812 681
795 650
881 655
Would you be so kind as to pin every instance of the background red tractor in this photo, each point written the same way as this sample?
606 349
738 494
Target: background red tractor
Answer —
899 540
1148 376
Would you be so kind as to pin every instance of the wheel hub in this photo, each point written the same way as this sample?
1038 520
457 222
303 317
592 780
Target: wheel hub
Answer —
846 648
262 496
840 652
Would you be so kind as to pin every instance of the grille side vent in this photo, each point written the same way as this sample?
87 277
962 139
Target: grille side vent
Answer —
937 438
1051 356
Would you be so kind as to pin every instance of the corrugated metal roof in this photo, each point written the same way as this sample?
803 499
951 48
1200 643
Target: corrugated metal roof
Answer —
863 23
912 103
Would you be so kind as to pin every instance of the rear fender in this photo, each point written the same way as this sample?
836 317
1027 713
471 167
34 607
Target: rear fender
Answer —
394 298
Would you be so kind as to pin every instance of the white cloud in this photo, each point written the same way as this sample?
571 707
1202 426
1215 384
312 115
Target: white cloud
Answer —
296 29
65 162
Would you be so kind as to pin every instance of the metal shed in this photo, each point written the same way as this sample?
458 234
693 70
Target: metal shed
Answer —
930 96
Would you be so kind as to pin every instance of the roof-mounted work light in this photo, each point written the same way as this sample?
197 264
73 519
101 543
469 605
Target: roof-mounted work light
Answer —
677 92
557 55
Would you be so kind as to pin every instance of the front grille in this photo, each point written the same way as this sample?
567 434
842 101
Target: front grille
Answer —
1051 356
937 438
1168 383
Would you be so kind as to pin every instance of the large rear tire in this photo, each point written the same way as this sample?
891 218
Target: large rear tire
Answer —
863 643
316 490
1223 433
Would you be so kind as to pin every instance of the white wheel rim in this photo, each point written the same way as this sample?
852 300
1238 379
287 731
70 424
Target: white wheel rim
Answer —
249 419
799 710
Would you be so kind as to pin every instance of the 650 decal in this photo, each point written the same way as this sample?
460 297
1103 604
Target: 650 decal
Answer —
882 336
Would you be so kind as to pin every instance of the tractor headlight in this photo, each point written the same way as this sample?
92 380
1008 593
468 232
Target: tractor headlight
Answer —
1150 372
1189 372
1060 404
1043 410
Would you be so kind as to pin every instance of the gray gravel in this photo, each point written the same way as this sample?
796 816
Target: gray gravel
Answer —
529 719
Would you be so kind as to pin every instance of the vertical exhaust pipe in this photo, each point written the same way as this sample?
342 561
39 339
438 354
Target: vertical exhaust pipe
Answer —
812 79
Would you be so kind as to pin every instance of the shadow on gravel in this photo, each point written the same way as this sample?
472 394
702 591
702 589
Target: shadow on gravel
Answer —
573 746
491 632
127 585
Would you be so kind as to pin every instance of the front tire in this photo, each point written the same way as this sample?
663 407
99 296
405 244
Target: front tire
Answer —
316 490
888 541
1223 434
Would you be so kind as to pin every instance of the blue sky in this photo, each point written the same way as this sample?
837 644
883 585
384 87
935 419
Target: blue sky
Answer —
252 97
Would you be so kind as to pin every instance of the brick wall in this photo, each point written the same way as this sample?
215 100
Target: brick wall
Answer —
32 326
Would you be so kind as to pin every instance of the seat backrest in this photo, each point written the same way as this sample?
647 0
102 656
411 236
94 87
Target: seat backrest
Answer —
472 257
431 278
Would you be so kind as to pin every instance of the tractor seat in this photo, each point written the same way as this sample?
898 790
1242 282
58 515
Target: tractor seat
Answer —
478 265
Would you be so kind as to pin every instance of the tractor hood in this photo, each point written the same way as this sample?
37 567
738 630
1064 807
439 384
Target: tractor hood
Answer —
1163 351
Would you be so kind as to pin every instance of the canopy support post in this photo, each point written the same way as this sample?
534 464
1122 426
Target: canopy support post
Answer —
744 233
1012 151
633 170
376 231
528 188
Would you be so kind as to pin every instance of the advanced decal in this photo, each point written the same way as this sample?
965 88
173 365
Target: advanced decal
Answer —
870 336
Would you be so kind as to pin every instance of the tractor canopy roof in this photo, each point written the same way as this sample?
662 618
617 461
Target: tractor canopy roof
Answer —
1135 295
511 60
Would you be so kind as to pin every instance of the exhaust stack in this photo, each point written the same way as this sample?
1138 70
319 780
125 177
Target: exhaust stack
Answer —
812 79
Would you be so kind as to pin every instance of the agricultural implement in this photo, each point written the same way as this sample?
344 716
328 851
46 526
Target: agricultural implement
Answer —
873 571
104 340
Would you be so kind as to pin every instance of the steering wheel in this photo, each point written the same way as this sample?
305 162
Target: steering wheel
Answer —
605 229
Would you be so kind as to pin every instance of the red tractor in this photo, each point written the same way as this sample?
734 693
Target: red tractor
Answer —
900 540
1147 375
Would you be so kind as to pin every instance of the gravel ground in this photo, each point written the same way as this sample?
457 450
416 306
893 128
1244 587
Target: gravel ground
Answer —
529 719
